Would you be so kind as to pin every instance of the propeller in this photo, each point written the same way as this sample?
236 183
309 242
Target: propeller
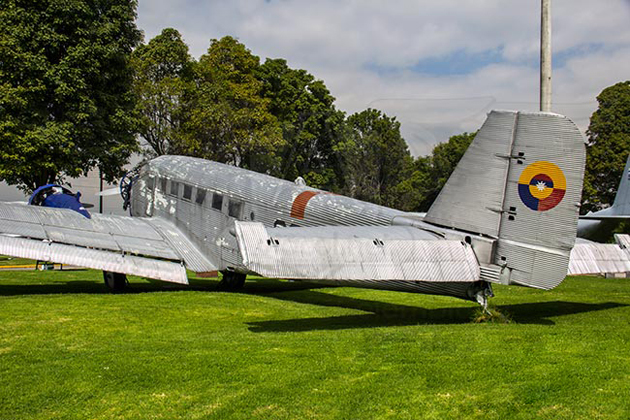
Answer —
108 192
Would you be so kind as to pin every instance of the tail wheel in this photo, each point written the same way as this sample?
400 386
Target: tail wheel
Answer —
232 280
116 282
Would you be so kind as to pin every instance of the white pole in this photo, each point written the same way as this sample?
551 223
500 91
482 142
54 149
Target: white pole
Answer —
545 56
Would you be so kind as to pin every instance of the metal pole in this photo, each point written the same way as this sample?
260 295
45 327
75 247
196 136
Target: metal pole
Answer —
545 55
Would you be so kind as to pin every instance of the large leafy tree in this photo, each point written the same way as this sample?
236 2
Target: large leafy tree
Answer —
608 146
375 157
311 126
229 120
65 89
163 72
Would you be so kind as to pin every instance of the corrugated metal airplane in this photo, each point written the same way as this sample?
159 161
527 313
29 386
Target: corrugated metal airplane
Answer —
508 214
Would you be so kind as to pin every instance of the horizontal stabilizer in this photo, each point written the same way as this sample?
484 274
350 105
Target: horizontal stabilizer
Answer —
595 258
366 253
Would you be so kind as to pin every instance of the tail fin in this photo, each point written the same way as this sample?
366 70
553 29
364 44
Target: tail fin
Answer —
520 181
621 205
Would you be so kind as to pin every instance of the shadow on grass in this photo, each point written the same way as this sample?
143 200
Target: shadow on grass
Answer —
58 286
381 314
378 314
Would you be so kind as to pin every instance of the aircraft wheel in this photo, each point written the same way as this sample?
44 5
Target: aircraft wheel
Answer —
232 280
116 282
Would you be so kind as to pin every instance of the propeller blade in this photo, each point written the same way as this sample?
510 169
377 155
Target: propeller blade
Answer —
87 205
108 192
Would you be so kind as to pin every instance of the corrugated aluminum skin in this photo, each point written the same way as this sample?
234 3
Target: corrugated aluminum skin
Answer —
272 197
143 237
595 258
100 260
355 253
472 198
535 245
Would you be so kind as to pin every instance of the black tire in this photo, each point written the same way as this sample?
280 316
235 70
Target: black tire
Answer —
116 282
232 280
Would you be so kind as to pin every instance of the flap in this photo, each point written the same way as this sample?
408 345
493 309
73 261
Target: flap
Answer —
354 253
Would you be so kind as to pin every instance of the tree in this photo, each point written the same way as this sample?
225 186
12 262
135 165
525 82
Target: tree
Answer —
311 126
375 157
229 120
437 168
608 147
66 104
163 71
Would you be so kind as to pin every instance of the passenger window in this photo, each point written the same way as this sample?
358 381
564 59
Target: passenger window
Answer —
174 188
201 195
187 192
163 185
234 208
217 201
150 183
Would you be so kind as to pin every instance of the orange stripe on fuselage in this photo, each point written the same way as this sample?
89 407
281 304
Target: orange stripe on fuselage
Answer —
299 204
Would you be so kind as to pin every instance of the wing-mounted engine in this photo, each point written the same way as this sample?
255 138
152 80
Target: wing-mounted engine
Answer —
53 195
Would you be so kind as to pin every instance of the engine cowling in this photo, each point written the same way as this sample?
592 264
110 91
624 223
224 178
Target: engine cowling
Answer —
53 195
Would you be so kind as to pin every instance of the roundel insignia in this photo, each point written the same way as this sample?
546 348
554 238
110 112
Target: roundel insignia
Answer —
542 186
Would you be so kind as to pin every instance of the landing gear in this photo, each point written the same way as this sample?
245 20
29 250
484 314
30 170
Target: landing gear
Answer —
116 282
232 280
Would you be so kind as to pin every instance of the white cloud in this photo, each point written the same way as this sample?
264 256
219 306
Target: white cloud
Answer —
339 41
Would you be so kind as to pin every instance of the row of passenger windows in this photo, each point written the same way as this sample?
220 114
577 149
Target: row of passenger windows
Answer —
234 207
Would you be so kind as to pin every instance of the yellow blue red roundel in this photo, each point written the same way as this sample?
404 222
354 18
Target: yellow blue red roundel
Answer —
542 186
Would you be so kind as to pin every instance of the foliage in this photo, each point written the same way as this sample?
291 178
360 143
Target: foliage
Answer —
289 350
65 89
163 72
435 170
311 126
229 120
374 157
608 147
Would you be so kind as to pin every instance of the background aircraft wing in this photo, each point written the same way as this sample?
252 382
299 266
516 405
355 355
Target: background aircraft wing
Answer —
594 258
148 247
355 253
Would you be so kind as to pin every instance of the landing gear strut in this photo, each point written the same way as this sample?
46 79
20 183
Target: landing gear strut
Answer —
232 280
116 282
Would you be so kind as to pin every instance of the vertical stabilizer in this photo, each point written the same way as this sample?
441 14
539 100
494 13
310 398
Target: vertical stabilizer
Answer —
621 205
520 182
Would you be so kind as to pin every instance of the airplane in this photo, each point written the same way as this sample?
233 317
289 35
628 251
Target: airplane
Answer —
589 255
508 214
599 225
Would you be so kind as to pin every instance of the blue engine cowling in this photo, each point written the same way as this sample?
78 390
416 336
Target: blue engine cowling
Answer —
53 195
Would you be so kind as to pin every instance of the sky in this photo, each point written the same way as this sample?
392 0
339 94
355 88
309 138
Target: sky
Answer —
437 66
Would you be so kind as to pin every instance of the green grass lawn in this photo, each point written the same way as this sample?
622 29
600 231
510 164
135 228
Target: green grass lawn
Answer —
281 350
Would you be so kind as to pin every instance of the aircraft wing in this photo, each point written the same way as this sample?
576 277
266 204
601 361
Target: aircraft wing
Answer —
594 258
370 253
149 247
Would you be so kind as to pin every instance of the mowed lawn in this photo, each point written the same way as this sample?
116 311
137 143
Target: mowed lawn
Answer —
279 350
